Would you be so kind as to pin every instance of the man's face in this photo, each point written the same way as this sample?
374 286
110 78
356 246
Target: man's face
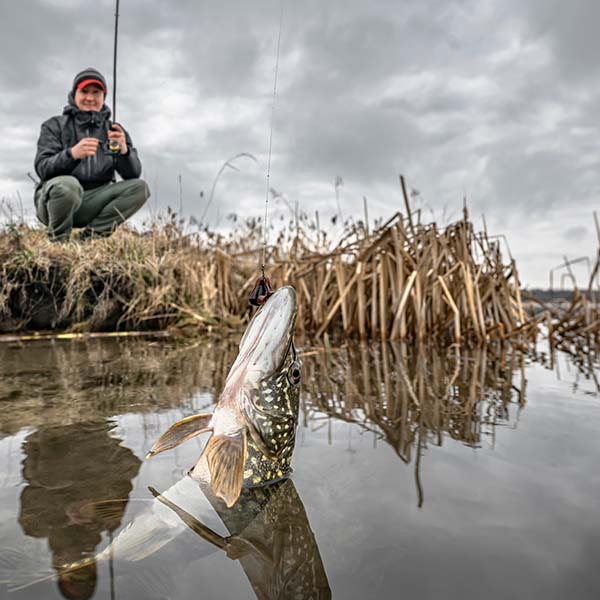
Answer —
91 97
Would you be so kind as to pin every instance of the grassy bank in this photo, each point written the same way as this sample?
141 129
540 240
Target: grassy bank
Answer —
125 282
404 280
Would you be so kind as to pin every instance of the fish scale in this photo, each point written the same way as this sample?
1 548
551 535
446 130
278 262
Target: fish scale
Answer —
274 411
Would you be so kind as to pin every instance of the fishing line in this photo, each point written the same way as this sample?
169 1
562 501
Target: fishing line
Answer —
265 221
262 288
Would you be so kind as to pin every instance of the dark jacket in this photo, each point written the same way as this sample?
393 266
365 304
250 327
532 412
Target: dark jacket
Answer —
59 134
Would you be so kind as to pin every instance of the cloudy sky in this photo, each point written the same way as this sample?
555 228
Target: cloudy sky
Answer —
495 100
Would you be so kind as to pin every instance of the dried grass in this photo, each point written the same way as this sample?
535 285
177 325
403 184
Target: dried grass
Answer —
403 280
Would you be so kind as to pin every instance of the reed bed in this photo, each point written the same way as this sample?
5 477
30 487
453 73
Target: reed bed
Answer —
574 327
404 280
411 281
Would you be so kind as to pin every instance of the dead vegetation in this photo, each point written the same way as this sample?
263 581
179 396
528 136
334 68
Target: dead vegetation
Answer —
404 280
411 281
574 326
126 282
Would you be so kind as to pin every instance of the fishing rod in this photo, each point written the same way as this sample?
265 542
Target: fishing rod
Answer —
262 289
113 146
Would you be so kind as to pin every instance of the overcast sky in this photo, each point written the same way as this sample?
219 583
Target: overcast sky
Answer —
497 100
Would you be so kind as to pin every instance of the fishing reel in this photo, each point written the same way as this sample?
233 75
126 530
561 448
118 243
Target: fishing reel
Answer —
112 148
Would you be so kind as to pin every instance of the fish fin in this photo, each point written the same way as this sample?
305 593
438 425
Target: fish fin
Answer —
192 522
226 456
180 432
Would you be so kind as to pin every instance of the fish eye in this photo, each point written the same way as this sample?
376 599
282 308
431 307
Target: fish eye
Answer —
294 373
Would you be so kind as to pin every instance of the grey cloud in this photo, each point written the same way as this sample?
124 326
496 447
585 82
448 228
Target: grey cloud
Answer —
531 182
571 29
576 233
496 100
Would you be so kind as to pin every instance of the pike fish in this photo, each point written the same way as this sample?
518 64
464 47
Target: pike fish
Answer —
254 422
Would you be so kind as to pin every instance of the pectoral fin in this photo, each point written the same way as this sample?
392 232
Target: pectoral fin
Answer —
226 456
180 432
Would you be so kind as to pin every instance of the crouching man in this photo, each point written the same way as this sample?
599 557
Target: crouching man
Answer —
78 186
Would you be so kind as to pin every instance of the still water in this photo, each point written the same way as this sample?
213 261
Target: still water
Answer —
415 476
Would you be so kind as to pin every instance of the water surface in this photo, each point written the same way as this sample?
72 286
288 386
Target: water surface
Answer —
424 475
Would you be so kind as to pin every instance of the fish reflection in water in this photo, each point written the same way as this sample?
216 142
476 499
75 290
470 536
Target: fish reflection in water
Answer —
270 536
276 546
71 498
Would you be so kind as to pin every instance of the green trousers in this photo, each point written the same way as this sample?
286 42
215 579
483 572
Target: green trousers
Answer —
61 204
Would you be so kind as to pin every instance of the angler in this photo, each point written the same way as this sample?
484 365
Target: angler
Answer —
77 167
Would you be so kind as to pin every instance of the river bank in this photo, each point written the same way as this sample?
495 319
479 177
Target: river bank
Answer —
403 280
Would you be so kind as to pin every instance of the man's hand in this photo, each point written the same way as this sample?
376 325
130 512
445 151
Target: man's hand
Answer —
117 134
84 148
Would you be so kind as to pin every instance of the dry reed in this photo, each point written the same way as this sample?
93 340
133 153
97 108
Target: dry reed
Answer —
404 280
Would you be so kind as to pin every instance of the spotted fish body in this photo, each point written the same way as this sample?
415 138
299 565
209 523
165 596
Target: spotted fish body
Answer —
273 410
254 422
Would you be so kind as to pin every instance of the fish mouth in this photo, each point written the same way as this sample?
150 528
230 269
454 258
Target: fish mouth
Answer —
267 340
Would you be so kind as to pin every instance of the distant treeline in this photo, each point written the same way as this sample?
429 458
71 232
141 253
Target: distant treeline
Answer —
549 295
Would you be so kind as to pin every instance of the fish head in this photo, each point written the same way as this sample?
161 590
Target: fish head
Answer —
267 340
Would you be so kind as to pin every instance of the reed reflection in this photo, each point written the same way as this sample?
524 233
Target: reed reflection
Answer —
67 468
67 382
414 397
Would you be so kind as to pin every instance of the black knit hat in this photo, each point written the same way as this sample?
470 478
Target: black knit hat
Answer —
88 76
